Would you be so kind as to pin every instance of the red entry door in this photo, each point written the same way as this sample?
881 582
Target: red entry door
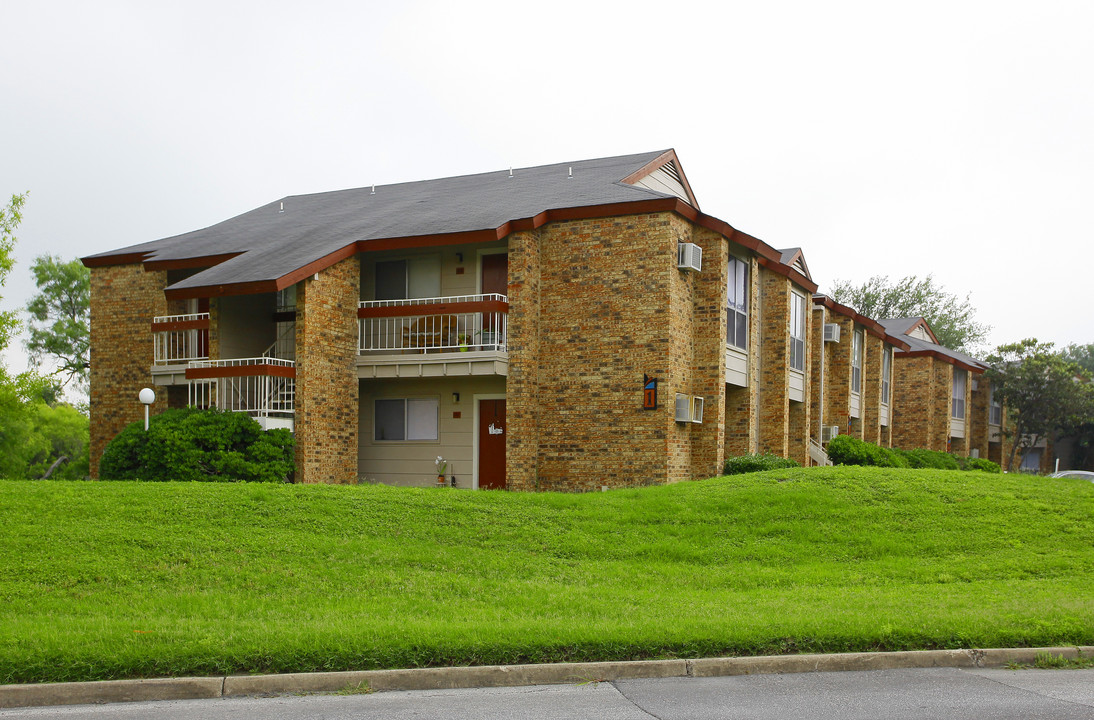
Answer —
492 431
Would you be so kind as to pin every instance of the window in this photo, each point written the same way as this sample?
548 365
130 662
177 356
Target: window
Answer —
406 419
797 332
737 304
959 393
995 413
886 373
418 277
856 362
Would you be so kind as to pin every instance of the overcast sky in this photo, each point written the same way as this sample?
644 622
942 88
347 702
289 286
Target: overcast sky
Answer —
953 138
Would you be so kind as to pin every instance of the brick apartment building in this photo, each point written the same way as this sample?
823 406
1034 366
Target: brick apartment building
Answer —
563 327
852 371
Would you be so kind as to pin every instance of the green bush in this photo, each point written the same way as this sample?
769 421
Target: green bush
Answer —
923 458
981 464
191 444
848 450
757 463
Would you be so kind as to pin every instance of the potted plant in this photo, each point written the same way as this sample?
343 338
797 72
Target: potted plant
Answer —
441 466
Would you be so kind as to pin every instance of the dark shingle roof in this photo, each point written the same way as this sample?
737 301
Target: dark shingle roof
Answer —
900 326
273 243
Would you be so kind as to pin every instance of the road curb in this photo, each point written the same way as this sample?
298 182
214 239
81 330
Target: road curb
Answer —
190 688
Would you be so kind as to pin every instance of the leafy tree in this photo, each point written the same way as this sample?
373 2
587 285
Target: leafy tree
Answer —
192 444
951 318
1081 355
59 317
1045 394
10 217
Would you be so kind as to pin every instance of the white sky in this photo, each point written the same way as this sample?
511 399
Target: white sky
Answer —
954 138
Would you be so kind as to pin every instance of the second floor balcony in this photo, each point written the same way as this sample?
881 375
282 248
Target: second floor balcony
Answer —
461 334
178 339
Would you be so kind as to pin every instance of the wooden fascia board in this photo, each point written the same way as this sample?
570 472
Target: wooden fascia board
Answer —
656 163
921 322
941 356
187 263
790 273
107 261
869 324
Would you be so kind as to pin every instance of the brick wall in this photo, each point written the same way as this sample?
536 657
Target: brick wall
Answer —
914 415
522 384
124 299
594 305
871 389
773 399
326 375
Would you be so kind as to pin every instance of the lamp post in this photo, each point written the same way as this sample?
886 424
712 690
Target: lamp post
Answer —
147 396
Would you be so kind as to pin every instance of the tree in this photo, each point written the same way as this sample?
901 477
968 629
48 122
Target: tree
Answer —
1044 393
10 217
951 318
1081 355
59 317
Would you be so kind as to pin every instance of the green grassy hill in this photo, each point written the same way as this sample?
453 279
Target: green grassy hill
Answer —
110 580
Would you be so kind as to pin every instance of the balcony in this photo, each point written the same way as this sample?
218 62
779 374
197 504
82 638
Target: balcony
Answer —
263 387
180 338
177 340
431 337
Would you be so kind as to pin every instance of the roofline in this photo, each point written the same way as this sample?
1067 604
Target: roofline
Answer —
872 326
655 164
769 256
922 322
943 357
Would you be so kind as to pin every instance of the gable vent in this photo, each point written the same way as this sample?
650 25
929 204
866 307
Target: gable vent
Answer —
671 171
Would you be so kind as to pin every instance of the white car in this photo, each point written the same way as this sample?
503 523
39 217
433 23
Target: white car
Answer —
1080 474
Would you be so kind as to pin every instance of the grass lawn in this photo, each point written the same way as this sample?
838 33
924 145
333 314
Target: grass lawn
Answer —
113 580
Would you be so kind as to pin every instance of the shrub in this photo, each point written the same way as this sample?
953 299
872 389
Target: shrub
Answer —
757 463
191 444
923 458
848 450
981 464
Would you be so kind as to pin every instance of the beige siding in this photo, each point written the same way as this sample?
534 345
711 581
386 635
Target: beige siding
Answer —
458 277
736 367
661 181
797 386
412 463
246 325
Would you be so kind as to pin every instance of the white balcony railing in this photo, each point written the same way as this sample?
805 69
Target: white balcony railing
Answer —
262 387
180 338
440 324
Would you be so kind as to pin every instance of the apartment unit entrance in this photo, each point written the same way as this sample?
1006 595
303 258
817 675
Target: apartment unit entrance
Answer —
491 430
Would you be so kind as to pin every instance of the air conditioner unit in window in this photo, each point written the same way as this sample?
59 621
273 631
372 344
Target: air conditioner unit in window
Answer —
689 256
683 408
828 432
689 408
831 332
697 410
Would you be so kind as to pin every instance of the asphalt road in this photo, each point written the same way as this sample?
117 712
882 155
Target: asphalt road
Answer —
935 693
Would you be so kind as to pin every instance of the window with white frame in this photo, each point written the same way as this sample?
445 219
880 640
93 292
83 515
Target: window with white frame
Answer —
856 362
417 277
886 373
995 407
797 332
737 304
959 379
405 419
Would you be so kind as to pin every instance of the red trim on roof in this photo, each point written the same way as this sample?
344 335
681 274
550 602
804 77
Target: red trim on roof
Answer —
106 261
186 263
872 326
922 322
789 272
655 164
941 356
